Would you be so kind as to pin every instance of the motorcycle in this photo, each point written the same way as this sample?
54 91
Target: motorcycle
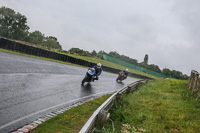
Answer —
90 75
121 77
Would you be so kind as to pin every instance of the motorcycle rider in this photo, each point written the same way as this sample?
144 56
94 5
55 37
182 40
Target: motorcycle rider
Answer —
125 73
98 70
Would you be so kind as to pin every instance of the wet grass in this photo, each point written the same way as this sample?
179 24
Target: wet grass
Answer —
162 106
71 121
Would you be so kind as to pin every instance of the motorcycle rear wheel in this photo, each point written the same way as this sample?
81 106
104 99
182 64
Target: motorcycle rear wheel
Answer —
118 80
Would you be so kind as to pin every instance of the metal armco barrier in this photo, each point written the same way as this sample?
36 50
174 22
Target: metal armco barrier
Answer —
27 49
99 117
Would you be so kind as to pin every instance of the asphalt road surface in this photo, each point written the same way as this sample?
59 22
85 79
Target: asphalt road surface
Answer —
31 88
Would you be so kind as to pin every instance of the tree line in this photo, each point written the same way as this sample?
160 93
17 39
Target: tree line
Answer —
13 25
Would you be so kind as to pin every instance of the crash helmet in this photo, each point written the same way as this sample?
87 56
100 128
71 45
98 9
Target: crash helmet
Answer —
126 70
98 65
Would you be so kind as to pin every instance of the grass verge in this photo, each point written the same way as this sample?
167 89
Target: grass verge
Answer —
71 121
161 106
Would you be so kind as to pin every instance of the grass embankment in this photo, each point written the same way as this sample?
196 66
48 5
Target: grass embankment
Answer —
158 107
71 121
91 59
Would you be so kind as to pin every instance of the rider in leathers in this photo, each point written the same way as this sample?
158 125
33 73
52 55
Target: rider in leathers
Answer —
98 71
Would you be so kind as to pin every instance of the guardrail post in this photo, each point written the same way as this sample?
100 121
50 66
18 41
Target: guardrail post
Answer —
191 81
198 88
118 97
194 84
196 78
131 89
101 119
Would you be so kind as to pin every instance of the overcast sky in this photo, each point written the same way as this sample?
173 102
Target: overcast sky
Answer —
167 30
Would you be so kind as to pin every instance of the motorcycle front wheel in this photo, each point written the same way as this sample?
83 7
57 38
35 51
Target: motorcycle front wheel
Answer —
83 81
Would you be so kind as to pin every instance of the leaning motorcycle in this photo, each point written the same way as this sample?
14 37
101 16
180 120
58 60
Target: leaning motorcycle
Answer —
90 75
120 77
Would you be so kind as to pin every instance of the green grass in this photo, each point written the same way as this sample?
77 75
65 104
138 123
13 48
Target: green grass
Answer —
71 121
162 106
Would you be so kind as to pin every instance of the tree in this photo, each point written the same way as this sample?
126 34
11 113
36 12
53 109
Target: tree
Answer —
76 50
94 53
53 38
35 37
38 38
166 72
154 68
114 54
100 54
123 57
146 59
12 24
174 74
80 51
51 43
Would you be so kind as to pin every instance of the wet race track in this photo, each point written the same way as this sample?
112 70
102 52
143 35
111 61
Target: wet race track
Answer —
31 88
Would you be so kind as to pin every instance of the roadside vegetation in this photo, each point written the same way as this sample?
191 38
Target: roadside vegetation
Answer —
161 106
71 121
